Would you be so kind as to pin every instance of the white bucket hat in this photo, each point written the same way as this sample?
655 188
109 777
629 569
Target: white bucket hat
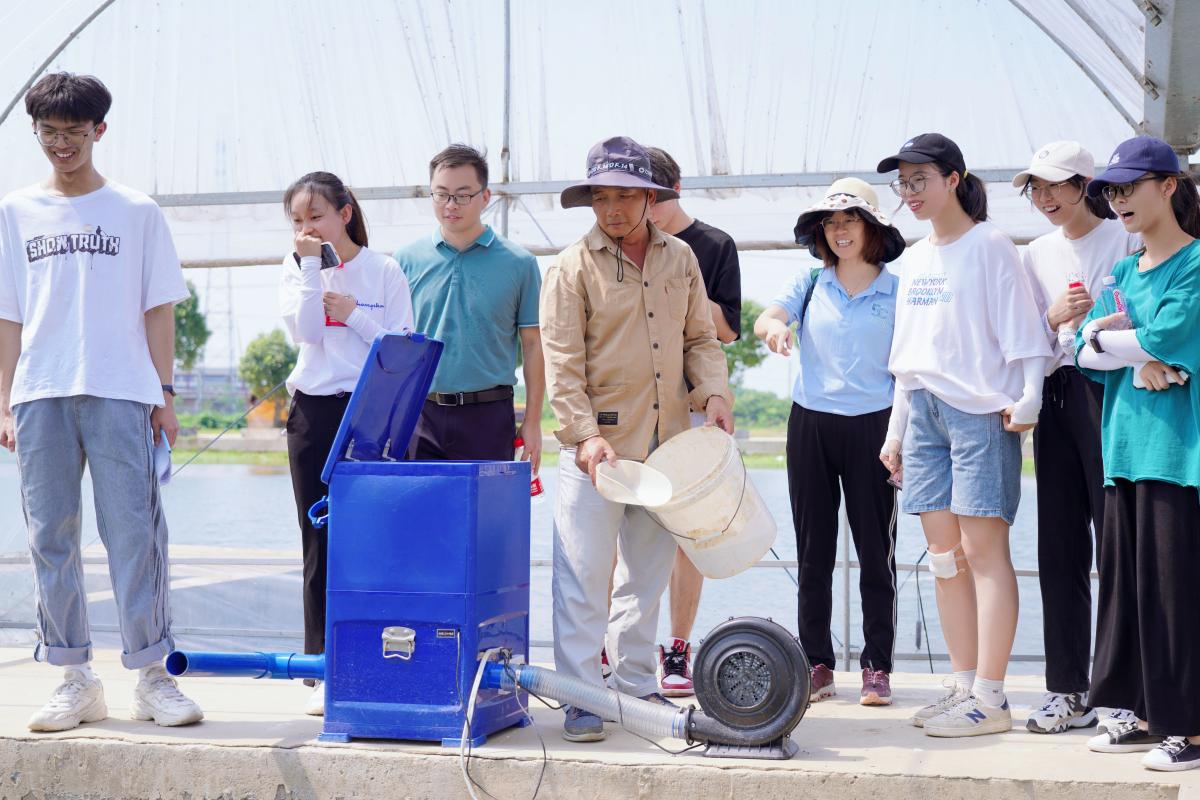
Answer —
844 194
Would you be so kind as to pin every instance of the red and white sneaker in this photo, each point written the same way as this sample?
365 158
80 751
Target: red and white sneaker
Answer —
675 669
605 667
821 684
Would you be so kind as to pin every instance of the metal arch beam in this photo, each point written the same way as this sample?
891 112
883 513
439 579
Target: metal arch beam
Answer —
1173 64
1104 36
53 55
1092 76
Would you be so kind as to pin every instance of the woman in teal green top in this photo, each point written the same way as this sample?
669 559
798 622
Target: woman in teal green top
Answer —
1148 629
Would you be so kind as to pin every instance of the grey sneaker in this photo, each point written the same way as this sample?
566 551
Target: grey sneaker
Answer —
1125 737
76 700
1060 712
582 726
970 717
658 699
955 695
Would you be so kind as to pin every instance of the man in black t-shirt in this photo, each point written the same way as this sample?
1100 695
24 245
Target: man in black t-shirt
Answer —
718 258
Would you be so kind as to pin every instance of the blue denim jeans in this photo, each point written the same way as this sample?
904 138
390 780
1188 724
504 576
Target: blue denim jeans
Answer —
964 462
56 437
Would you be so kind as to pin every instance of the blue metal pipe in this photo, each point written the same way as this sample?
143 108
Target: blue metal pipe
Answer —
284 666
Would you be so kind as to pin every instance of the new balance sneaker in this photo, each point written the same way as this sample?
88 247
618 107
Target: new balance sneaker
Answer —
605 667
970 717
955 695
1175 754
157 697
876 688
675 669
821 684
77 699
315 707
1060 712
1115 718
1124 737
582 726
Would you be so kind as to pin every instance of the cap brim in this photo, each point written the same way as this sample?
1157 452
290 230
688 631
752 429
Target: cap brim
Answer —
912 157
1043 171
1113 175
580 194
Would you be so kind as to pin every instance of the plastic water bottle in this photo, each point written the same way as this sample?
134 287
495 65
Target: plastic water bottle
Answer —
535 484
1112 301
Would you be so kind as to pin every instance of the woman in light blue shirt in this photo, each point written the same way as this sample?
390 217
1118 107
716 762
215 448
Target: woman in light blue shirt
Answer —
841 402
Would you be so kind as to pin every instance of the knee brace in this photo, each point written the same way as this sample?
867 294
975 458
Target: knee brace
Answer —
944 565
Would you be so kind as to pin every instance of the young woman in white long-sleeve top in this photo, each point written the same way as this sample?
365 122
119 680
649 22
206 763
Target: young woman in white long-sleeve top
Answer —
968 354
334 315
1066 268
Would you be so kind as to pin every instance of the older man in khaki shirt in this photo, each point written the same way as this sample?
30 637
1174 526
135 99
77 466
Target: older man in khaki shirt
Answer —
624 318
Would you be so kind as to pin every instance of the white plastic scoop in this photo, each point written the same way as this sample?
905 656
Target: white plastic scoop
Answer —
633 483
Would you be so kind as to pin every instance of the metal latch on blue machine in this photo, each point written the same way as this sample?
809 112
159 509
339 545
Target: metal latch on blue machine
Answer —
399 642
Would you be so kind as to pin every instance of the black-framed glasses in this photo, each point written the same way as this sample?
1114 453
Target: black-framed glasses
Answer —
1112 191
49 136
914 185
441 198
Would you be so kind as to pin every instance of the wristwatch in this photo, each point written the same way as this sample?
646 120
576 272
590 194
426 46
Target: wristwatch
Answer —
169 388
1094 341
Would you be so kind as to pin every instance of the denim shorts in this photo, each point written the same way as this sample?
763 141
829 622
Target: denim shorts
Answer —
964 462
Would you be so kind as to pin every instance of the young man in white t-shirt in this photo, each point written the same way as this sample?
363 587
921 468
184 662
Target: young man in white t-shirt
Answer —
88 283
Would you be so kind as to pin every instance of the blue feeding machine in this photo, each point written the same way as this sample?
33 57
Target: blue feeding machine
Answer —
427 616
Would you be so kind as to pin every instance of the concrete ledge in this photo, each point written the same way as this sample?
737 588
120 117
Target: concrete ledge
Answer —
255 745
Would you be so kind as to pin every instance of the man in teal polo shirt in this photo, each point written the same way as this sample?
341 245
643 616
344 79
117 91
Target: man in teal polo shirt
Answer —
477 292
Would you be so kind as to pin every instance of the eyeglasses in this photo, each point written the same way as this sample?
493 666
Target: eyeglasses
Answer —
830 223
1112 191
1048 189
49 136
914 185
441 198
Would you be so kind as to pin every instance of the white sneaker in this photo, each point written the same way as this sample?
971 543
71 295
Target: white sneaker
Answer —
970 717
1175 754
1115 718
77 699
315 707
1060 712
157 697
955 695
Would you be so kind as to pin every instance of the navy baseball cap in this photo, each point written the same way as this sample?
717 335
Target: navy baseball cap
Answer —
1132 159
926 148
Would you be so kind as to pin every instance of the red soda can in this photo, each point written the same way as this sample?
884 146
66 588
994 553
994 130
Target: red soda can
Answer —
535 485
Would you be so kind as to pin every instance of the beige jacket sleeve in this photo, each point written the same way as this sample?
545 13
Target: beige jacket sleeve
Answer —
703 359
563 315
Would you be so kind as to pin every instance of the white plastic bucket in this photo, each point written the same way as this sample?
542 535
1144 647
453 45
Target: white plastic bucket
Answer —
719 519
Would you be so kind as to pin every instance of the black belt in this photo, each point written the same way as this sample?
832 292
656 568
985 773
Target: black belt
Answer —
470 398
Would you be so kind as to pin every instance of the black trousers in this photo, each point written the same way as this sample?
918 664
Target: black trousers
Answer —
311 426
1070 504
1148 627
478 432
821 448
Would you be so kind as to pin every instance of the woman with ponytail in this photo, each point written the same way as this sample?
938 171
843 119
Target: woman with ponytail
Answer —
968 354
1066 268
1145 348
333 313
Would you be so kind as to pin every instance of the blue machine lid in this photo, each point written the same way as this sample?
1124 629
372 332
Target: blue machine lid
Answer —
386 403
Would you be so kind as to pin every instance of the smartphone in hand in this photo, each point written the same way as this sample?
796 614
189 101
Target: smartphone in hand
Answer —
329 257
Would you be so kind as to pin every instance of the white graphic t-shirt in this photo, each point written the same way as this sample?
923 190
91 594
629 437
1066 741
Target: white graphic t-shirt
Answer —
79 274
965 317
